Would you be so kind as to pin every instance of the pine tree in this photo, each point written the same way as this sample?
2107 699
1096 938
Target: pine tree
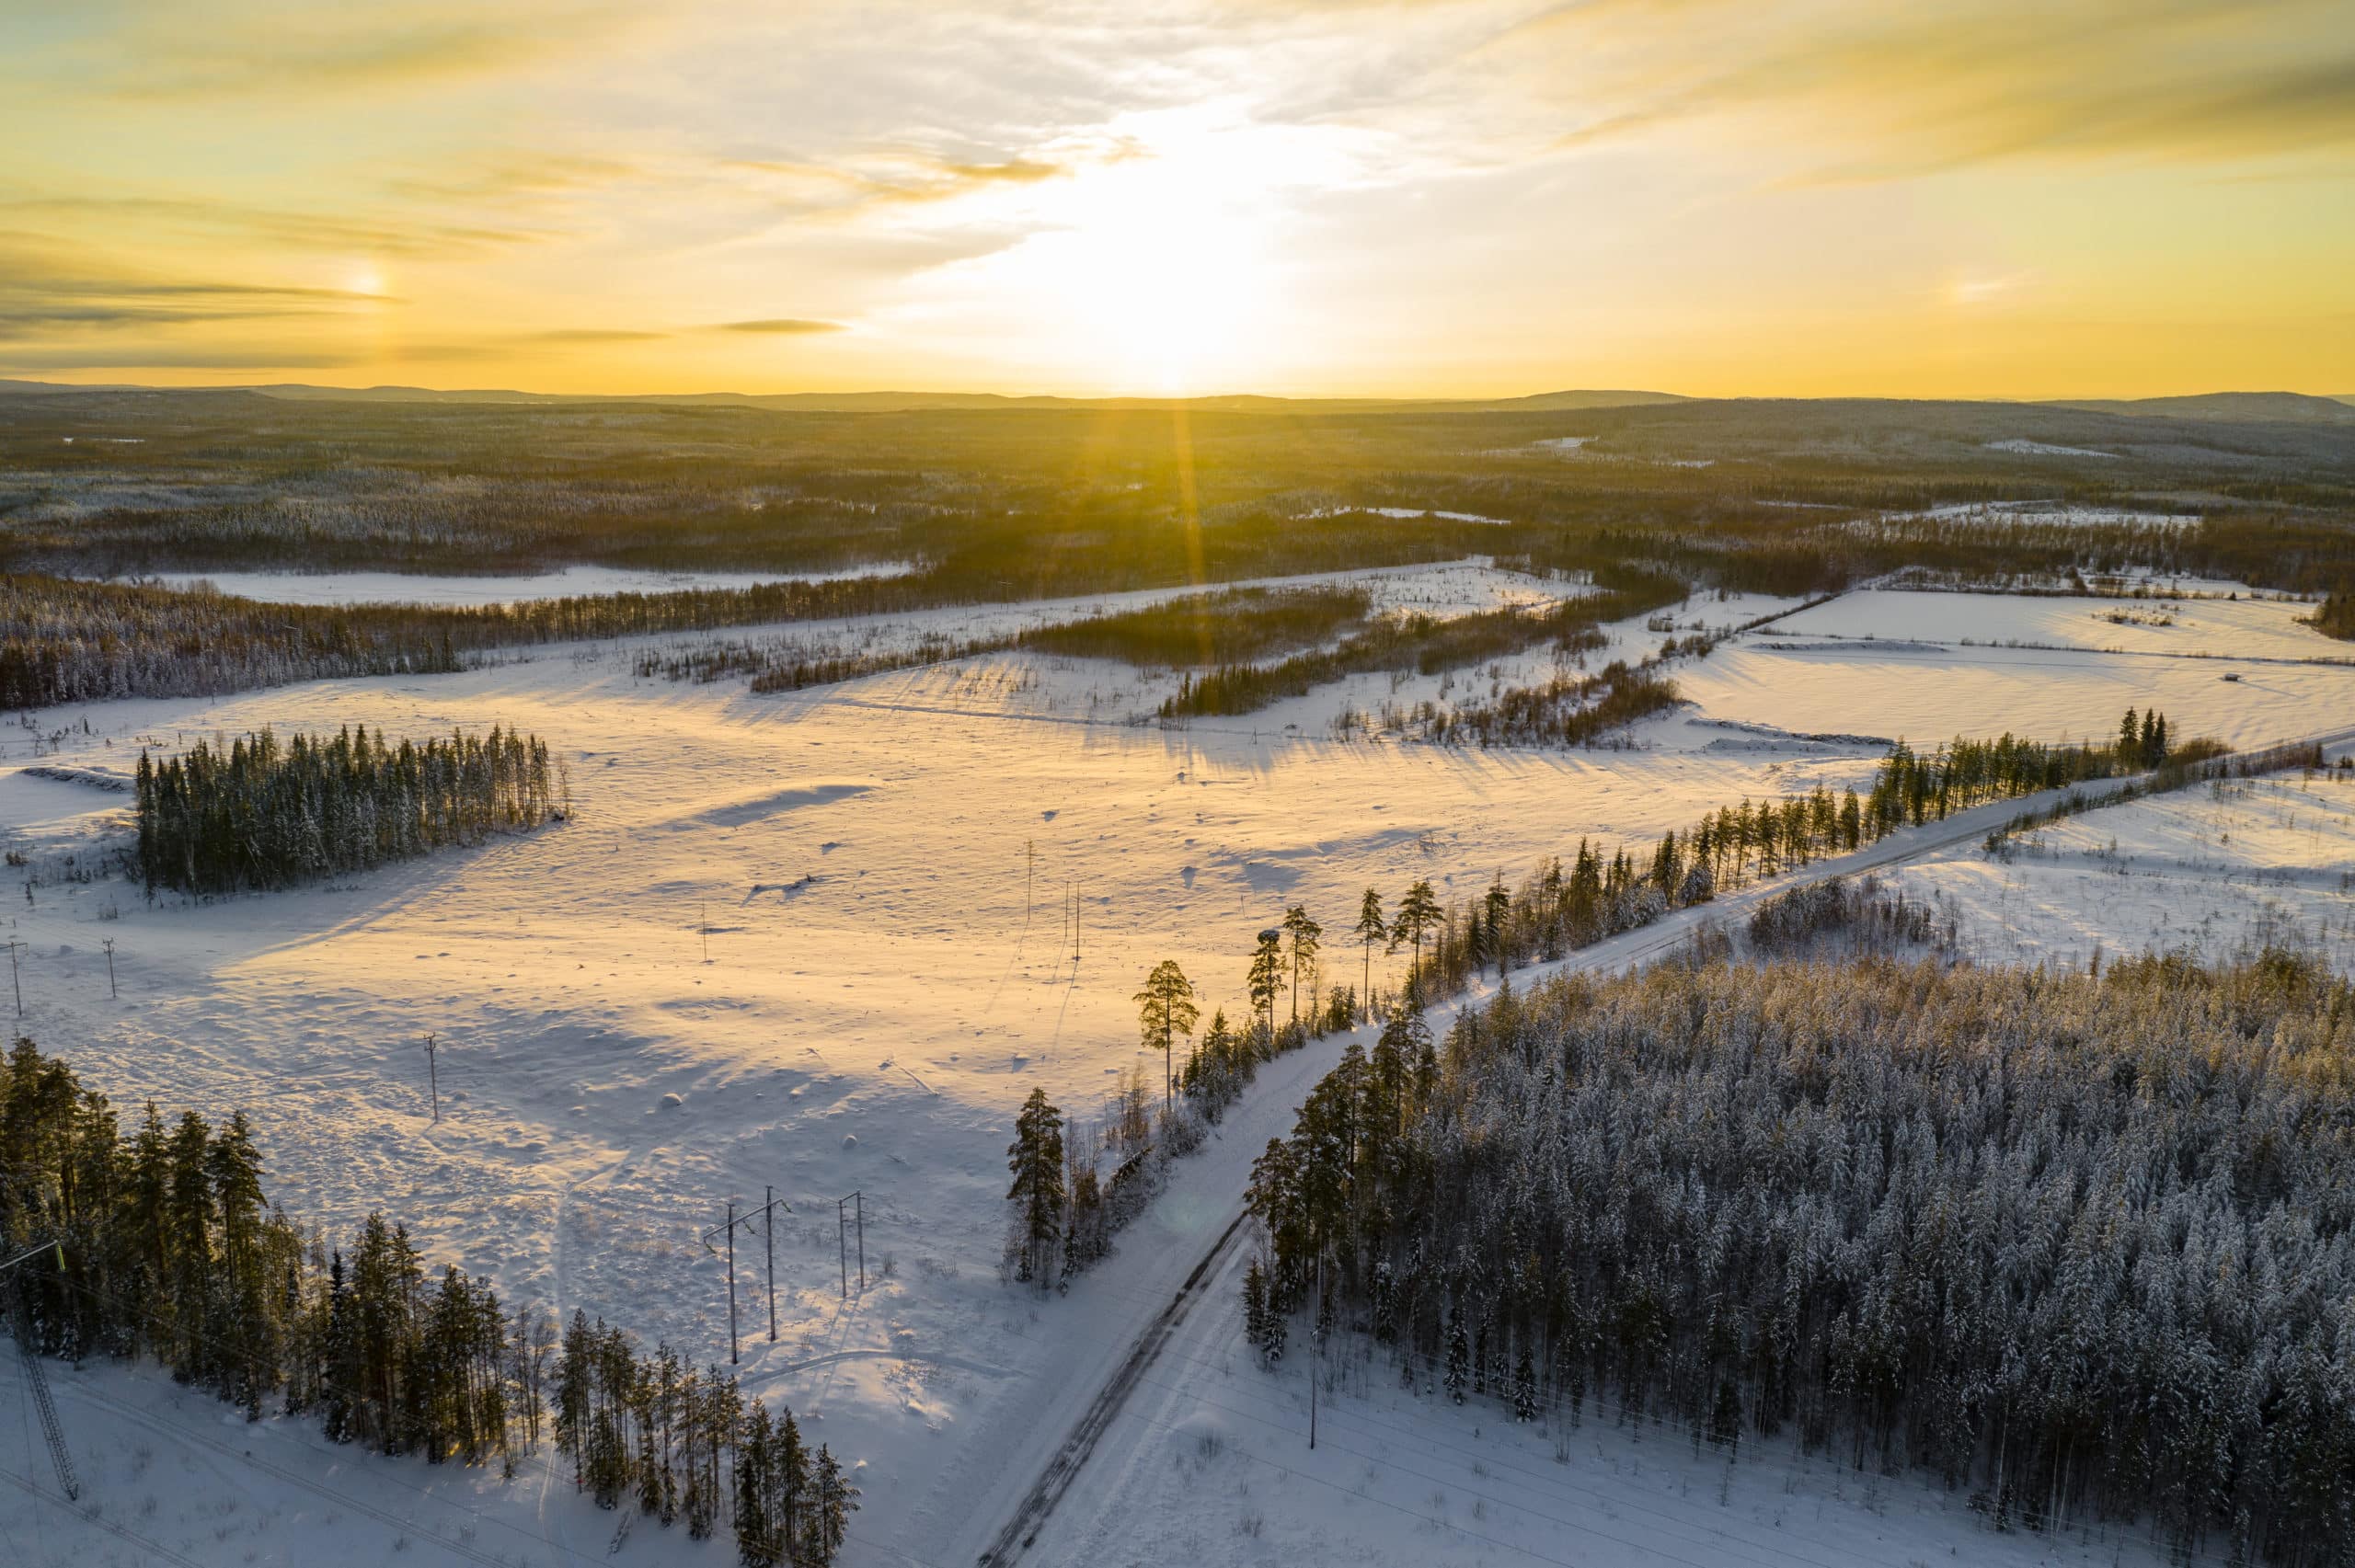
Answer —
1165 1010
1303 933
1459 1353
1525 1386
1036 1158
1418 914
1370 929
1267 977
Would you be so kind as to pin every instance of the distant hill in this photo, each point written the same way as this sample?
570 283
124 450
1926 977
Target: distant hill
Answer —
2270 407
909 401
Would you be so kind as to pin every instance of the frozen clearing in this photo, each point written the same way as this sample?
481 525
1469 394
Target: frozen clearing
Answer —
792 940
2249 627
2215 872
1926 692
404 588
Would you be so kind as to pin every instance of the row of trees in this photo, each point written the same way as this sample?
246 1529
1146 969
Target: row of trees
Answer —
1569 710
1558 908
267 814
2079 1245
166 1246
1426 644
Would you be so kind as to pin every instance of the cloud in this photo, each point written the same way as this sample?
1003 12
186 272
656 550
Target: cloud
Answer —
257 49
595 335
783 327
1856 91
282 228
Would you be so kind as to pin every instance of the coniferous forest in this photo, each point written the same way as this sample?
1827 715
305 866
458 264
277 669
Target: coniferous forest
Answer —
266 813
168 1248
2079 1245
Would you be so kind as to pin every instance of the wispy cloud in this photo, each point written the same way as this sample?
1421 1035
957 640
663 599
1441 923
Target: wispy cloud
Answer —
783 325
237 50
1872 92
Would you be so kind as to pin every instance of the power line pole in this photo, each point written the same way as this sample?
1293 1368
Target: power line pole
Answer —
842 1245
768 1224
108 945
702 929
16 984
858 1201
1029 870
433 1077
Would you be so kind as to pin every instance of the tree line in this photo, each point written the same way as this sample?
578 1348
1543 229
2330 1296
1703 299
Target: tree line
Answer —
2079 1245
167 1247
1423 643
266 813
1560 909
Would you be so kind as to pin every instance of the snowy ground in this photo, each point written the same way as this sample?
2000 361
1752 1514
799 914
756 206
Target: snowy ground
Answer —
2215 872
789 941
1926 692
2191 626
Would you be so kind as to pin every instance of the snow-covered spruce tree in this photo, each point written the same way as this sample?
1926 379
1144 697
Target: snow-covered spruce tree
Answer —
270 814
2079 1246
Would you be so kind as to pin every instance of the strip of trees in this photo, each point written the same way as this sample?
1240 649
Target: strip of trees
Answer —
1422 643
2079 1245
1560 909
167 1247
266 813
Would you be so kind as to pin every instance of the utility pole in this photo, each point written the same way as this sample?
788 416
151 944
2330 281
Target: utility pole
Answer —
850 1213
16 984
108 945
433 1077
1029 870
768 1224
702 929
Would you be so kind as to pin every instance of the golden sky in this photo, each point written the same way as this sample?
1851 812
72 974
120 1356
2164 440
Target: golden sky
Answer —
1424 197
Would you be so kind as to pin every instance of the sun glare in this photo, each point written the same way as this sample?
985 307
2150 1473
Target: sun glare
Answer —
1157 268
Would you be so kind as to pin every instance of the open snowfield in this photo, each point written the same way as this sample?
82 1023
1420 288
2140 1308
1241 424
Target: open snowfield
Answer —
800 941
2246 628
2214 871
1926 692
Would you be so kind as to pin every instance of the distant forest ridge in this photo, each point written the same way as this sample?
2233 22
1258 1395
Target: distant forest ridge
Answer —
2229 407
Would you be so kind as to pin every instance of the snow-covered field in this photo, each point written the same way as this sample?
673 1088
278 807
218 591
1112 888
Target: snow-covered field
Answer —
1927 692
2215 872
816 942
2246 628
